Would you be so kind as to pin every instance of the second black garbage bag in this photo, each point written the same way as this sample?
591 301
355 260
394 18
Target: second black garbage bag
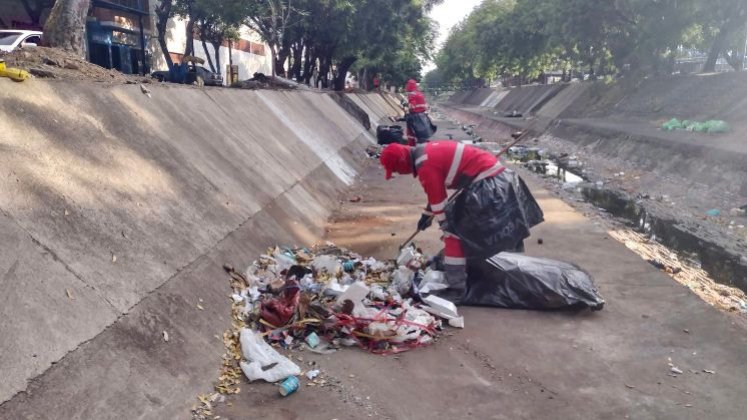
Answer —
516 281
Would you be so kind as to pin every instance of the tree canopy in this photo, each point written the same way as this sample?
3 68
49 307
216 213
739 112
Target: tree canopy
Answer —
522 40
322 38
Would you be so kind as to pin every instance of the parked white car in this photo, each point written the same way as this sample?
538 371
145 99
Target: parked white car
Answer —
10 39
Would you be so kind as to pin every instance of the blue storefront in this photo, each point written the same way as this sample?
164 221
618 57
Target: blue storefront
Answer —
117 41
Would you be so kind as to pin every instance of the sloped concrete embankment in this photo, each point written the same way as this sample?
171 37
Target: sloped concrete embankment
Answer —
616 125
118 210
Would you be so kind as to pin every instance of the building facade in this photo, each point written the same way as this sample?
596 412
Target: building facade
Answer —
121 35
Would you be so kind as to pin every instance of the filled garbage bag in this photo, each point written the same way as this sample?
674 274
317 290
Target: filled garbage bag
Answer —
517 281
387 134
420 125
493 215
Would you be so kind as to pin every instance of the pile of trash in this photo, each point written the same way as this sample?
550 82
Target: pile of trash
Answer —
323 300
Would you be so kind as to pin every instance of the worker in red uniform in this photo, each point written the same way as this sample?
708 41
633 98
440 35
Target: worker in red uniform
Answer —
492 214
418 123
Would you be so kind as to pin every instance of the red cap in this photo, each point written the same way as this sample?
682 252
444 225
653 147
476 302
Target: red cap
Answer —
396 158
411 86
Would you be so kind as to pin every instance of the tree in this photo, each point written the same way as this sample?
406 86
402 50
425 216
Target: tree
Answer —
217 21
271 19
725 23
66 26
35 9
164 12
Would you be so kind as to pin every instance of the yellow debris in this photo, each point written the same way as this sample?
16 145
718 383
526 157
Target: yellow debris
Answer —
16 75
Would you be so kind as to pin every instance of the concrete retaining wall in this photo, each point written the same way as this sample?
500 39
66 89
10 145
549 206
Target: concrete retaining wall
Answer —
117 211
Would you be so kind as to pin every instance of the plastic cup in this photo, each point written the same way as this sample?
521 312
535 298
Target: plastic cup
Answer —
289 386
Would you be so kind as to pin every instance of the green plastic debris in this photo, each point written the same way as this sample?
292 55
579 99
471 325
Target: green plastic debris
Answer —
717 126
711 126
672 125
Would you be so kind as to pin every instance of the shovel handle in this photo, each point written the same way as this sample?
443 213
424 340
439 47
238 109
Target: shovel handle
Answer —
408 240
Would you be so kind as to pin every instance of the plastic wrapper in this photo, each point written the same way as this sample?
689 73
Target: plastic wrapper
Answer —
493 215
517 281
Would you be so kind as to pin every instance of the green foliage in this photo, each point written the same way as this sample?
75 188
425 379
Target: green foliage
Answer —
522 39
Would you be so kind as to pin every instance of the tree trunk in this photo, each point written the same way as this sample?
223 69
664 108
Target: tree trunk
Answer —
297 61
324 72
203 40
216 50
66 26
307 65
163 12
281 58
189 48
716 48
342 72
273 53
35 11
230 62
735 57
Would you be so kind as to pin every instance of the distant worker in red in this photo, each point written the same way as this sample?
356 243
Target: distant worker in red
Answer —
419 127
376 83
415 97
492 214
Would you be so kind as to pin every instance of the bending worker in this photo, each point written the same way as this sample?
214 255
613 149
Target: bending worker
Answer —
493 212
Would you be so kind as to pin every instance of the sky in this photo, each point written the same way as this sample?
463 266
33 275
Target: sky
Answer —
448 14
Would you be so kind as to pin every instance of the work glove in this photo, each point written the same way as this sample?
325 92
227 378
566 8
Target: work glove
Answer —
425 221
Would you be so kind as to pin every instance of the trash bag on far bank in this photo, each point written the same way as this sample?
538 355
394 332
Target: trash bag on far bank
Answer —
517 281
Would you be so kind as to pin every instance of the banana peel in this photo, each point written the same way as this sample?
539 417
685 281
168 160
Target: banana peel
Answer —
16 75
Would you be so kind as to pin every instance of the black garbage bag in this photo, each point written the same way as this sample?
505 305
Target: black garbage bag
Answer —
493 215
517 281
420 126
434 127
387 134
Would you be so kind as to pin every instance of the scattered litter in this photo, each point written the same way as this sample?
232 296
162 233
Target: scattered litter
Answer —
713 213
630 386
289 386
709 371
676 370
69 294
312 340
114 258
441 307
312 374
356 199
457 322
200 307
165 336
